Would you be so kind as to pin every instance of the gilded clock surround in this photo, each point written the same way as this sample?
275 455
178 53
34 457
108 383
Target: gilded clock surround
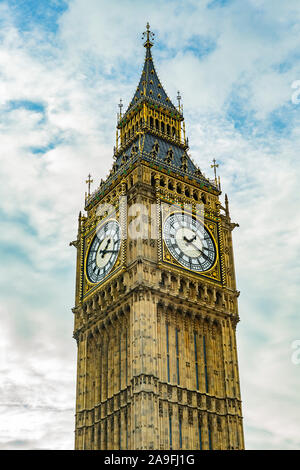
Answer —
114 263
214 272
157 356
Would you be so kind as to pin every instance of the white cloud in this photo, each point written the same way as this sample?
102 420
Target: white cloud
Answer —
37 383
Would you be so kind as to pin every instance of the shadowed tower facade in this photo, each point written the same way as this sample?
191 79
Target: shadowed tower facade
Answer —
156 301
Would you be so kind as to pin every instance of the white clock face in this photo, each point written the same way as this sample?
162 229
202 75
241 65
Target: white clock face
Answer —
189 242
104 251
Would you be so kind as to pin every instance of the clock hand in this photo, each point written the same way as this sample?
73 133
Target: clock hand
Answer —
197 248
191 240
107 243
205 256
200 250
105 249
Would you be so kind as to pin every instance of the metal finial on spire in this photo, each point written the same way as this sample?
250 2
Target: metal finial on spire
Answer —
120 106
89 181
149 36
215 166
179 99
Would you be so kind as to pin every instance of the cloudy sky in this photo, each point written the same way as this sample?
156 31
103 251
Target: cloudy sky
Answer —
64 65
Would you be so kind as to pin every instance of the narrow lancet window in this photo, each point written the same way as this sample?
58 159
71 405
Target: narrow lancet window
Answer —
209 438
196 361
205 364
107 369
120 433
177 356
180 432
168 355
126 362
200 435
170 431
120 361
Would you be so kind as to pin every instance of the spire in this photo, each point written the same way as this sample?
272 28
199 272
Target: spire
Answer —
150 87
226 205
151 130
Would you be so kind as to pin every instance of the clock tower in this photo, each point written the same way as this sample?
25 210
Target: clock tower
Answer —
156 301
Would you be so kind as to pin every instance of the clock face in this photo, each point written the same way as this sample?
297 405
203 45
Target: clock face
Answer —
189 242
104 251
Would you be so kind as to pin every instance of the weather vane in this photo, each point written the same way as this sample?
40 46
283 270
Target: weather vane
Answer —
149 35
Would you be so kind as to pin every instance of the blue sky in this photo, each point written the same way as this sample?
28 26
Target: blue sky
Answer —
64 65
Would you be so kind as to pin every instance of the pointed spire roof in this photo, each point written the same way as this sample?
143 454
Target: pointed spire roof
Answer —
150 87
162 144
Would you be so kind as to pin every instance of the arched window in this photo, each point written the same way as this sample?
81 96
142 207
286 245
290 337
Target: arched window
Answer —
164 278
170 185
218 299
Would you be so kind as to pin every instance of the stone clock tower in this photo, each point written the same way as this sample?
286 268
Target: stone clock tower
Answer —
156 300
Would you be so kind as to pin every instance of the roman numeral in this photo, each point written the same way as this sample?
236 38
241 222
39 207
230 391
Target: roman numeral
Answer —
205 256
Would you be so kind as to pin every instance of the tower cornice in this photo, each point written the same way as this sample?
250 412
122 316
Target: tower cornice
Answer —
199 182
